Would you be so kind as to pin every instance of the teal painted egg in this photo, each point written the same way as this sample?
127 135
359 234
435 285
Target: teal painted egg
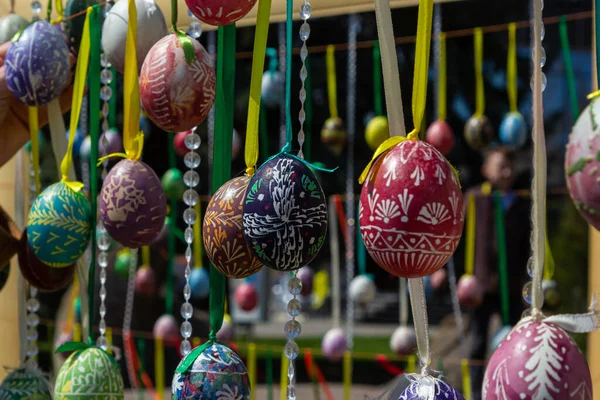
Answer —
89 374
59 226
513 130
25 384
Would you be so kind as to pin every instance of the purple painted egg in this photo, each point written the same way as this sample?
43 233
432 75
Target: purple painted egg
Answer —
285 214
469 291
362 289
306 275
110 142
246 296
166 328
133 205
145 281
429 388
37 65
537 360
334 344
403 340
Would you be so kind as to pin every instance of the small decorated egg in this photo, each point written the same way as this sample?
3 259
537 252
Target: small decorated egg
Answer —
145 281
200 283
537 360
166 327
306 275
551 293
439 279
362 289
246 296
411 210
85 150
37 65
25 384
122 263
217 373
177 96
222 231
11 24
58 225
440 136
272 88
429 388
110 142
179 143
377 131
499 337
89 374
220 12
403 340
478 132
334 344
333 135
227 331
285 214
582 164
469 291
513 130
151 27
74 21
172 184
133 205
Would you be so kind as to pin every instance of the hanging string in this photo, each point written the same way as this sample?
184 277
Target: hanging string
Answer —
308 112
419 310
470 236
511 67
479 89
331 82
403 299
288 73
502 262
568 62
442 80
377 78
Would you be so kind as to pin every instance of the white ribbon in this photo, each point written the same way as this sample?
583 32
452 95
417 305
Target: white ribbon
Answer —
419 311
58 135
403 299
576 323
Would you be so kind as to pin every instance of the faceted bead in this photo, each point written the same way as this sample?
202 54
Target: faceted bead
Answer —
32 334
36 7
103 259
305 10
106 76
291 392
31 364
104 242
102 310
302 94
195 29
188 254
542 56
187 272
303 75
105 109
291 350
33 320
185 347
187 291
187 310
103 276
304 31
295 286
303 52
528 292
32 350
189 216
104 61
302 116
192 159
191 178
189 235
190 197
294 307
33 291
186 329
105 93
102 293
292 329
33 305
530 267
102 327
543 31
544 82
102 343
192 141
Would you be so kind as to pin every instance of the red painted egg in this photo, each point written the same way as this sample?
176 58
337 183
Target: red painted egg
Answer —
411 210
537 360
440 136
220 12
179 143
145 281
469 291
439 279
582 165
246 296
177 96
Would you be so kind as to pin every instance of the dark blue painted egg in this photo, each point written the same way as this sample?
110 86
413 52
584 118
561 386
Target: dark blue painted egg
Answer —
513 130
422 387
285 214
37 65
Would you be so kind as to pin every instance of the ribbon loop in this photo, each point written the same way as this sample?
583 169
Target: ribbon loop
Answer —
479 89
80 346
384 147
419 96
186 43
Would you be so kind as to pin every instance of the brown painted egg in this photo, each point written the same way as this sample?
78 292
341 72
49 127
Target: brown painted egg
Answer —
222 231
333 135
411 210
478 132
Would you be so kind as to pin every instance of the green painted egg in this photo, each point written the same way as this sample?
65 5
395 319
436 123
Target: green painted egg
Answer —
25 384
89 374
59 225
172 184
9 25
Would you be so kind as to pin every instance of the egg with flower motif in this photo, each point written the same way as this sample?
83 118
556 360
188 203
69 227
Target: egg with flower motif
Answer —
37 64
9 25
220 12
25 384
537 360
217 373
285 214
223 233
478 132
175 94
133 205
58 225
411 210
422 387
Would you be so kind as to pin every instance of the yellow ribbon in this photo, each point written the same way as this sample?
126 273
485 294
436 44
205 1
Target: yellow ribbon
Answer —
198 236
470 237
109 339
549 266
159 367
252 369
320 289
77 333
411 366
59 10
511 67
593 95
331 81
284 376
347 374
146 256
419 96
383 147
479 92
466 379
83 59
34 137
442 80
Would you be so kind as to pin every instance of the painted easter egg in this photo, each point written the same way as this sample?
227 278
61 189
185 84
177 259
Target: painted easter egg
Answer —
271 92
25 384
333 135
220 12
85 150
217 373
499 337
246 296
377 131
582 164
172 184
306 275
166 327
427 387
89 374
411 210
537 360
11 24
334 344
151 27
513 130
478 132
145 282
403 340
75 19
40 275
200 283
133 205
177 96
469 292
37 65
58 225
227 331
439 279
440 136
122 263
179 143
362 289
110 142
222 231
285 214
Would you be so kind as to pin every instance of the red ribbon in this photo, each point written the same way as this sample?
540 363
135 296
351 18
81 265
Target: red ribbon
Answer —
341 215
388 366
310 364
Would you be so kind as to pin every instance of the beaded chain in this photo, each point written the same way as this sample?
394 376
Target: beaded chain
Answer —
32 304
305 10
36 7
195 27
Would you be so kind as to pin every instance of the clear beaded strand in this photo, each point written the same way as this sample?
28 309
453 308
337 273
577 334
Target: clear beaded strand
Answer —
36 8
32 304
195 27
305 10
190 198
292 331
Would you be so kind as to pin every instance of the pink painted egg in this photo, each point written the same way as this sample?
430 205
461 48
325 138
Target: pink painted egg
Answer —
179 143
411 210
145 281
166 327
582 165
334 344
306 275
537 360
469 291
403 340
177 96
246 296
439 279
440 136
220 12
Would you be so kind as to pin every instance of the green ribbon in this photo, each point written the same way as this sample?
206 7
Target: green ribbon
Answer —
377 78
94 121
186 42
308 111
288 73
502 267
80 346
172 228
49 11
568 61
20 32
361 251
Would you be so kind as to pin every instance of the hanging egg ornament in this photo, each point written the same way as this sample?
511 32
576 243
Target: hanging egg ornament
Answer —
285 214
478 132
177 95
172 184
110 142
133 205
122 263
217 373
333 135
362 289
246 296
179 143
222 231
377 132
89 374
582 164
11 24
469 291
499 337
145 281
166 327
439 279
227 331
25 384
74 21
334 344
306 275
37 65
513 130
200 283
85 150
151 27
272 88
537 360
220 12
411 210
429 388
551 293
440 136
58 225
403 341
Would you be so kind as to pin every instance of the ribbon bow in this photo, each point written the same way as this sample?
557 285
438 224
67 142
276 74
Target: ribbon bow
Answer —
576 323
80 346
